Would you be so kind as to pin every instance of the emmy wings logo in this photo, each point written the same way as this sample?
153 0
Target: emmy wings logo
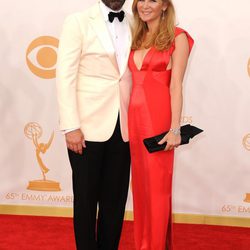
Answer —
33 131
41 56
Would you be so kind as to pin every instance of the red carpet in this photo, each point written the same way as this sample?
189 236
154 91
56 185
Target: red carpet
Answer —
49 233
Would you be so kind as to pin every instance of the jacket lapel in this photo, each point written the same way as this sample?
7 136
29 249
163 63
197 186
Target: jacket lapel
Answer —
128 46
98 24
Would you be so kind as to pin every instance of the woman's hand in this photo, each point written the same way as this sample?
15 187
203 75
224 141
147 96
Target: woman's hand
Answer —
173 141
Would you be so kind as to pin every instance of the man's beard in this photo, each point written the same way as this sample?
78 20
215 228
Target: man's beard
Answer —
114 4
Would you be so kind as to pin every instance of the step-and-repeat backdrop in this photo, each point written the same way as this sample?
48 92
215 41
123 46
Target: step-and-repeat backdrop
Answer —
212 173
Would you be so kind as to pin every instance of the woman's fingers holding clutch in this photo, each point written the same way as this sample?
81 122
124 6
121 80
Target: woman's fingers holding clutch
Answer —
172 141
163 140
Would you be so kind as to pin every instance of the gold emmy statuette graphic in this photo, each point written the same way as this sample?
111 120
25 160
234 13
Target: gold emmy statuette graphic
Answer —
246 144
247 198
33 131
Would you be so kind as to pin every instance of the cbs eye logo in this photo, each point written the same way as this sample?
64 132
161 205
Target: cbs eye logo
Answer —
246 142
248 67
43 53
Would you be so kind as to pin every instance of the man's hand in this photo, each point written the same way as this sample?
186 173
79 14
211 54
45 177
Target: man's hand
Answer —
75 141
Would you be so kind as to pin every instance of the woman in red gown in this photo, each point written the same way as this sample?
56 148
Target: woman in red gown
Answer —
157 61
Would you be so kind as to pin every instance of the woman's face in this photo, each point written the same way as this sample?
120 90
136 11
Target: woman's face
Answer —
150 10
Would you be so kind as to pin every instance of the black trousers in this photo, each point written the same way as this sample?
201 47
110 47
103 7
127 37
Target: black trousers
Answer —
100 176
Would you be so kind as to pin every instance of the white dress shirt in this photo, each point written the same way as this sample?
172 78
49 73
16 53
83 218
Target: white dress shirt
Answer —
119 32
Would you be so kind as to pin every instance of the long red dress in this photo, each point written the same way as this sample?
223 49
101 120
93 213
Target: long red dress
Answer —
149 115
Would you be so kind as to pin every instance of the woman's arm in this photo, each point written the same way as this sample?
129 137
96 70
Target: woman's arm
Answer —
179 64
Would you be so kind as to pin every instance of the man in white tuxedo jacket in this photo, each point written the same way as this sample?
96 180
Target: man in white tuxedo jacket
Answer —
93 87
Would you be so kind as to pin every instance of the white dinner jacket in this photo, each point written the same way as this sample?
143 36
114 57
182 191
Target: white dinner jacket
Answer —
91 89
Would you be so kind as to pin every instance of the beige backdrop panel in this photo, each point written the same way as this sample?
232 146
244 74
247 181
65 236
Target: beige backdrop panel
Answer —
211 173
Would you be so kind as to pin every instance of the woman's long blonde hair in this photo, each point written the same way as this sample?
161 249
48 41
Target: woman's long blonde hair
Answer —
163 37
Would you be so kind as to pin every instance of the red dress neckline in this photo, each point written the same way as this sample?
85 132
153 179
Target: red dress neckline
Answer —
145 60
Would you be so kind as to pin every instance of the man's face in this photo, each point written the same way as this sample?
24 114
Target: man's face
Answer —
114 4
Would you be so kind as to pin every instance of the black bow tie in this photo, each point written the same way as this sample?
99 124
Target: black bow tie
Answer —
120 15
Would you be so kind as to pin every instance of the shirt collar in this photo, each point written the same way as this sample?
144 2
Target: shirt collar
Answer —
105 10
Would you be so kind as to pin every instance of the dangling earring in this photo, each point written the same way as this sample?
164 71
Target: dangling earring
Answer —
163 15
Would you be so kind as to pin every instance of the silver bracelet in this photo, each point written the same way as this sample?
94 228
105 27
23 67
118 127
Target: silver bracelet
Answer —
175 131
